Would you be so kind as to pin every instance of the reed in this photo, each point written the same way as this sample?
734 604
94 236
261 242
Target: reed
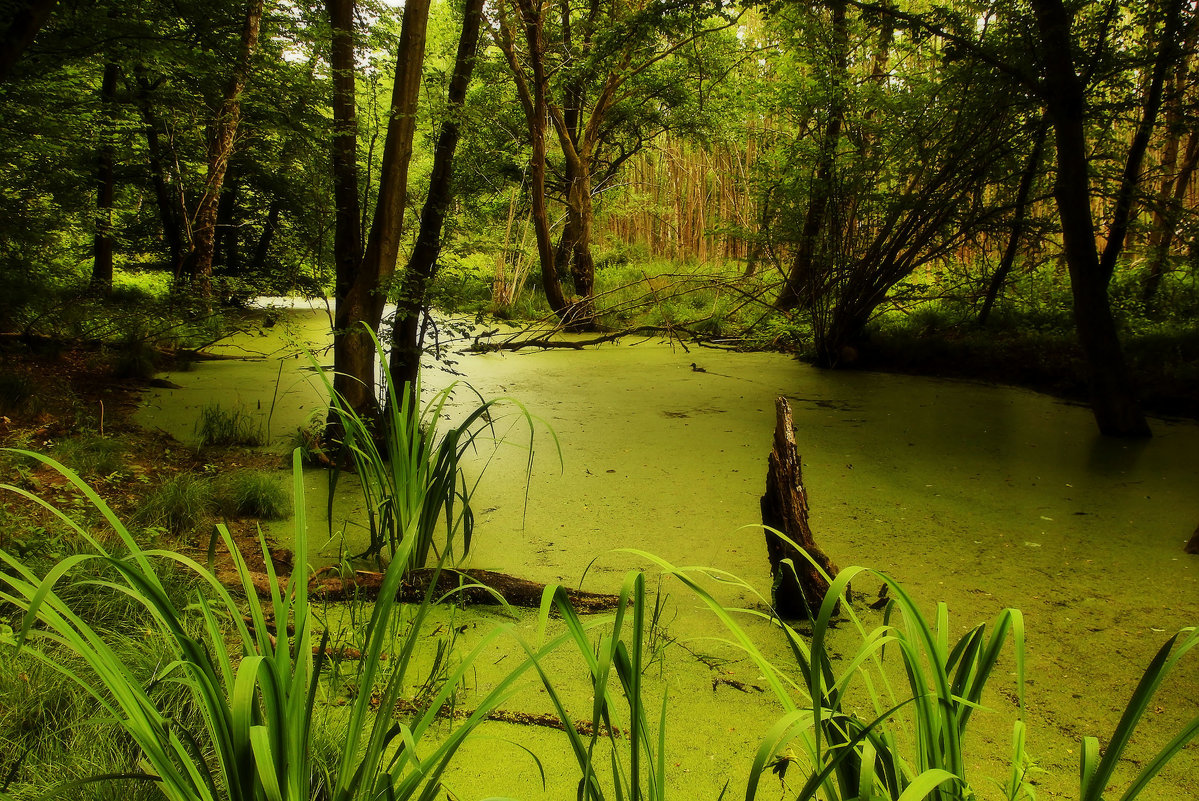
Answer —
263 707
410 467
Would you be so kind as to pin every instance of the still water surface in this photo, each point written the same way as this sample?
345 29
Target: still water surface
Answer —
980 496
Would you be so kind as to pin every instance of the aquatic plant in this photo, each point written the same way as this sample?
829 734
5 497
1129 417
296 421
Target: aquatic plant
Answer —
411 472
219 426
855 753
255 693
636 765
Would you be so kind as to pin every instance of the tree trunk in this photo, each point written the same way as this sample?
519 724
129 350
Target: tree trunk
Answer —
1112 399
363 293
220 148
347 237
802 281
269 228
105 184
169 209
27 19
1013 245
406 337
533 102
799 589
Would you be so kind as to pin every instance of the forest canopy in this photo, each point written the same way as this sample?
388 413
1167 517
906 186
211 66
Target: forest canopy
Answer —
825 176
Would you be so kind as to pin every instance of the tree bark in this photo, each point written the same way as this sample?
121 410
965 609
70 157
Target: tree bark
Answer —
406 337
27 19
799 589
220 148
105 183
362 287
1113 401
269 228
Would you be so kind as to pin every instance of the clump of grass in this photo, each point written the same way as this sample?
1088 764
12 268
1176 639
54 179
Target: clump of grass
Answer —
219 426
416 494
179 505
251 493
93 456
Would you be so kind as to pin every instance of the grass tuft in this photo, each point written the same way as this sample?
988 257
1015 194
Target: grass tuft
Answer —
221 427
92 455
179 505
250 493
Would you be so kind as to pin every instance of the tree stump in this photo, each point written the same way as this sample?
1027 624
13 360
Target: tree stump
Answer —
797 593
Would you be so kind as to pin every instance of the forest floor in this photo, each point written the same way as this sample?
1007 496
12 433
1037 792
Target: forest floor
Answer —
71 400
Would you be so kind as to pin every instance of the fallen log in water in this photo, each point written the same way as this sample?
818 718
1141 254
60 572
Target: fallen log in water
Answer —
477 587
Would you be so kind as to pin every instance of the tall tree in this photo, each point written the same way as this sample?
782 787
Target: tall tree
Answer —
407 333
105 182
1113 399
362 280
220 148
605 52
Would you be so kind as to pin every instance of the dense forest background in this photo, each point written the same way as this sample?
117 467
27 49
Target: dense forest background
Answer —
996 189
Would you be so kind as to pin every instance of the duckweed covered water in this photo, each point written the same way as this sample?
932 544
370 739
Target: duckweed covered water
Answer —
980 496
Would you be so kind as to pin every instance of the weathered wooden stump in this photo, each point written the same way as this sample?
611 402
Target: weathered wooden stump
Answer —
785 509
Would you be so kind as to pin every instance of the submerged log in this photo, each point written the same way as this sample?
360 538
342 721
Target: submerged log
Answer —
798 592
481 587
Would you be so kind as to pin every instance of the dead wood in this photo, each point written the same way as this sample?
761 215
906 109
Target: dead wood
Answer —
798 590
478 587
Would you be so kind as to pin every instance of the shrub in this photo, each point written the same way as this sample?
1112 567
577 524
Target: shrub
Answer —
219 426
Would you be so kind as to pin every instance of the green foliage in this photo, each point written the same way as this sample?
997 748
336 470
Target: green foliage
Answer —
255 696
250 493
411 476
92 455
180 504
637 766
221 427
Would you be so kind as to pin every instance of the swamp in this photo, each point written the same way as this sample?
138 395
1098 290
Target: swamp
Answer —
599 400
